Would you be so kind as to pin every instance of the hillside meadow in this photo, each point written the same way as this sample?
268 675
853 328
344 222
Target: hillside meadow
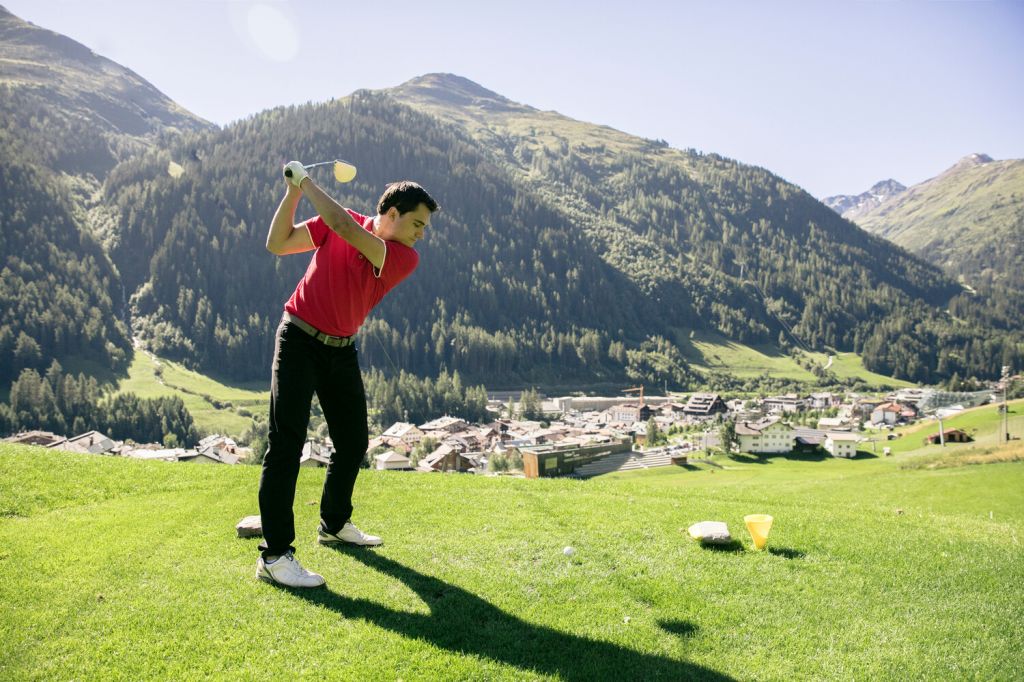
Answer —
117 569
216 406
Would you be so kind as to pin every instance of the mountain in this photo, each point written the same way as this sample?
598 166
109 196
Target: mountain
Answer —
852 206
566 252
79 109
968 220
67 116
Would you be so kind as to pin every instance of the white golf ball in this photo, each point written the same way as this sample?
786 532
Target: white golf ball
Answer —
568 551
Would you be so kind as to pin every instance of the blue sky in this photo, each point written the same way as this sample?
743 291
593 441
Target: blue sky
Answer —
833 96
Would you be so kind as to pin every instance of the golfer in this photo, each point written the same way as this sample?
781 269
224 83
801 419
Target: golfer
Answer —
356 260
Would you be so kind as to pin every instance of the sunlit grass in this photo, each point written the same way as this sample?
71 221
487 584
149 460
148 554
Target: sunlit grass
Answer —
118 569
214 405
851 366
709 351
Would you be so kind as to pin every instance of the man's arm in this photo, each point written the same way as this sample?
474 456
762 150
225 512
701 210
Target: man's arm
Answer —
285 237
344 225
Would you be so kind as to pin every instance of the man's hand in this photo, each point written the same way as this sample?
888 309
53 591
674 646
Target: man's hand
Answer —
295 173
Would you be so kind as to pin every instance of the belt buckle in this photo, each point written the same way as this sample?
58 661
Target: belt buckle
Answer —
335 341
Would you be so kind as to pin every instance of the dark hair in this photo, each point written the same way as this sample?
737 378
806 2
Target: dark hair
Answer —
405 196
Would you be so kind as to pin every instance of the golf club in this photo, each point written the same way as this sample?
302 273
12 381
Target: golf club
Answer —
343 170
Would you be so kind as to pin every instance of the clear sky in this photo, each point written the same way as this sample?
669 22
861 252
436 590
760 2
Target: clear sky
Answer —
833 96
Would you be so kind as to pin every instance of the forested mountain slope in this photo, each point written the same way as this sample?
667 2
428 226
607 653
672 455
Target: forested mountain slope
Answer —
67 116
564 252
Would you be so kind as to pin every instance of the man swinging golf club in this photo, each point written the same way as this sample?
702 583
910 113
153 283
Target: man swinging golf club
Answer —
356 260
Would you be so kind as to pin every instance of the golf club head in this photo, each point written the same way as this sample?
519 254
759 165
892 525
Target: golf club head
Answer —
344 171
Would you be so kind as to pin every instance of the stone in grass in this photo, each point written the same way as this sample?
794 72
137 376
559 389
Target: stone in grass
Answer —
250 527
711 532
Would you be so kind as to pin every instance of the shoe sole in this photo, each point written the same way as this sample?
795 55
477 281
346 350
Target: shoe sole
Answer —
328 542
270 579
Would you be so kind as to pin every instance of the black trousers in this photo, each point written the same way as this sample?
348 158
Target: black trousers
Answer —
302 365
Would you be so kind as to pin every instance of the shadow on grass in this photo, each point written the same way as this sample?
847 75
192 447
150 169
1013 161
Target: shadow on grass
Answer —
463 623
749 459
787 552
818 455
680 628
732 546
794 456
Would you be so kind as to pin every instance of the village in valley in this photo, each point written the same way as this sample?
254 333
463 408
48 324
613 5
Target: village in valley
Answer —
582 437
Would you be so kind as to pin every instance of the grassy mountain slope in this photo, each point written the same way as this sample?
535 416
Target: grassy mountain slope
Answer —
871 572
57 89
969 220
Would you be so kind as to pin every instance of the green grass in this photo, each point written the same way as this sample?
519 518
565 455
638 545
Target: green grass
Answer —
982 423
851 366
118 569
708 351
214 405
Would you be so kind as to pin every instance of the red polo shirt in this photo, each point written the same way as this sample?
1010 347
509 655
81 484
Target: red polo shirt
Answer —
340 286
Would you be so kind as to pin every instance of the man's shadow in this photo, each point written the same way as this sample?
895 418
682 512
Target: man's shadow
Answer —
462 622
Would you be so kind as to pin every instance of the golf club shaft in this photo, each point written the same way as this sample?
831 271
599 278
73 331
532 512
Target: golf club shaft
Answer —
343 170
288 172
325 163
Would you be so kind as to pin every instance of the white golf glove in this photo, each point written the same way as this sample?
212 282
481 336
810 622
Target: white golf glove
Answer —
295 173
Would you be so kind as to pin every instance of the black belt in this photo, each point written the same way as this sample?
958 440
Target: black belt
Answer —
326 339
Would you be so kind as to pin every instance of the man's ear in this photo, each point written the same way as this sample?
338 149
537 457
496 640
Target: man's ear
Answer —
393 214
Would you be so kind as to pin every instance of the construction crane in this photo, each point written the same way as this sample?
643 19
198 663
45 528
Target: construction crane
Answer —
636 389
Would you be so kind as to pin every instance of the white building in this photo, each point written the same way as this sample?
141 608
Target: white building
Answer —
402 433
392 460
823 401
842 444
788 403
887 413
766 436
441 426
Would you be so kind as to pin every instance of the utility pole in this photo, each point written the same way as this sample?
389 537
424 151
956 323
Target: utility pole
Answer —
1005 435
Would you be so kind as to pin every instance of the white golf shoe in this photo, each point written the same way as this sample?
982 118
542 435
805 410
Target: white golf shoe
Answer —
286 570
348 535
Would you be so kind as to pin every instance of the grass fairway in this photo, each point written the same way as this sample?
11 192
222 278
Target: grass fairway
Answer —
118 569
214 406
